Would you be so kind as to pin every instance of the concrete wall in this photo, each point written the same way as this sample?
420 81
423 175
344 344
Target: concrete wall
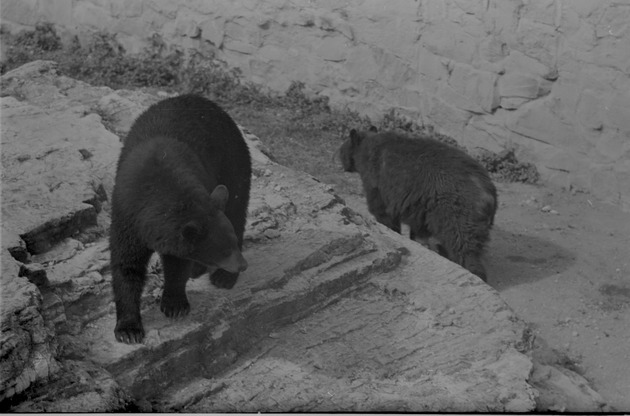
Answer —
550 77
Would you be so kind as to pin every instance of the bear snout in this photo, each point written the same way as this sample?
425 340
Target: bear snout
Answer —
234 264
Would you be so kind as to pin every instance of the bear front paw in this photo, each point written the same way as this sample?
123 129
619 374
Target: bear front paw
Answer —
223 279
174 308
129 332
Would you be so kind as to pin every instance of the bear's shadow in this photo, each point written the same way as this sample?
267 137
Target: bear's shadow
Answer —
514 259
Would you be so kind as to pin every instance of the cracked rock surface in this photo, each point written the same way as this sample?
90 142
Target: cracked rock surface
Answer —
335 312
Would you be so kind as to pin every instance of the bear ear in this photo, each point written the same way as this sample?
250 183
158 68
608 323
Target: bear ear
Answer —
373 129
192 231
220 196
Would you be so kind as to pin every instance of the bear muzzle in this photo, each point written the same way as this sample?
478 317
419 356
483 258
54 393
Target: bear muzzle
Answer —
235 263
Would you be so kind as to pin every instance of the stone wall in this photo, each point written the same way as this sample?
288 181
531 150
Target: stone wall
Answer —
549 77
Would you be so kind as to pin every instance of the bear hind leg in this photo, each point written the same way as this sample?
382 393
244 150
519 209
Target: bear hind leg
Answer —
419 233
174 302
377 207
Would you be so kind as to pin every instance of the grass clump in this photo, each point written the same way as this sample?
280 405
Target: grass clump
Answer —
101 61
104 62
299 128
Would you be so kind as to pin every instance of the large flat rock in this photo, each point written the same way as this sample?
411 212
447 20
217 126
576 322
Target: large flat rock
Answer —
421 336
335 312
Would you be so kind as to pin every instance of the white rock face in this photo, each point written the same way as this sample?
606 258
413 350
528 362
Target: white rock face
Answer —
547 76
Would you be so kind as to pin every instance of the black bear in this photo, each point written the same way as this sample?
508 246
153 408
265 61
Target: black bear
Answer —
181 190
436 189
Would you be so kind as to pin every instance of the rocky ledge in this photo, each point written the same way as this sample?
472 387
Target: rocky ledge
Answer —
335 313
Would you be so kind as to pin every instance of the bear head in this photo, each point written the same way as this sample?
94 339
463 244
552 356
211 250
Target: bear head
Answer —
349 149
195 227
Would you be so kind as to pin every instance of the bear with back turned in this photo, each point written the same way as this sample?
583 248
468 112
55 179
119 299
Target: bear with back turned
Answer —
181 190
438 190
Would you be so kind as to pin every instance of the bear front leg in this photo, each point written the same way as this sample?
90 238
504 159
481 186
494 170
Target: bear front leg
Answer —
127 283
176 272
377 207
197 270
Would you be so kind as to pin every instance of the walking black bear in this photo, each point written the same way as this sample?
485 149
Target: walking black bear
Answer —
182 190
438 190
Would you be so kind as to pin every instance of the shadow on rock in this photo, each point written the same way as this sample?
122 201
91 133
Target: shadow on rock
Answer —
513 259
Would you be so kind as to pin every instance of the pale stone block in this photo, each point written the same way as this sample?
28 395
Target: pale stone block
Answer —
470 7
502 18
541 11
512 103
269 53
584 7
538 122
589 110
213 30
413 99
432 11
391 28
238 46
187 26
459 100
449 40
124 8
59 11
485 131
517 61
361 63
622 172
23 12
565 161
92 16
493 49
518 84
451 120
477 88
566 94
537 40
393 72
333 48
168 9
613 21
618 111
431 65
604 184
582 35
613 145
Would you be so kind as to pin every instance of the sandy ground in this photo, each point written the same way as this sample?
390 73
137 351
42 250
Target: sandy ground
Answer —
562 262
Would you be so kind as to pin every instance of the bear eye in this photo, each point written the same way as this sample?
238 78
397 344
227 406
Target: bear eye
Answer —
191 231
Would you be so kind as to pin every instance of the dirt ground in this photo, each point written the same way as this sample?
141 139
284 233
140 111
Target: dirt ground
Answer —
562 262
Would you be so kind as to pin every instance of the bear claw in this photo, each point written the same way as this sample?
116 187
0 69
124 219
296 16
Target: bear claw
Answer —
175 309
132 334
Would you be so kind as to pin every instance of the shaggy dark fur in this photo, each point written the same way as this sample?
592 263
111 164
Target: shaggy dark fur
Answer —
438 190
182 190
